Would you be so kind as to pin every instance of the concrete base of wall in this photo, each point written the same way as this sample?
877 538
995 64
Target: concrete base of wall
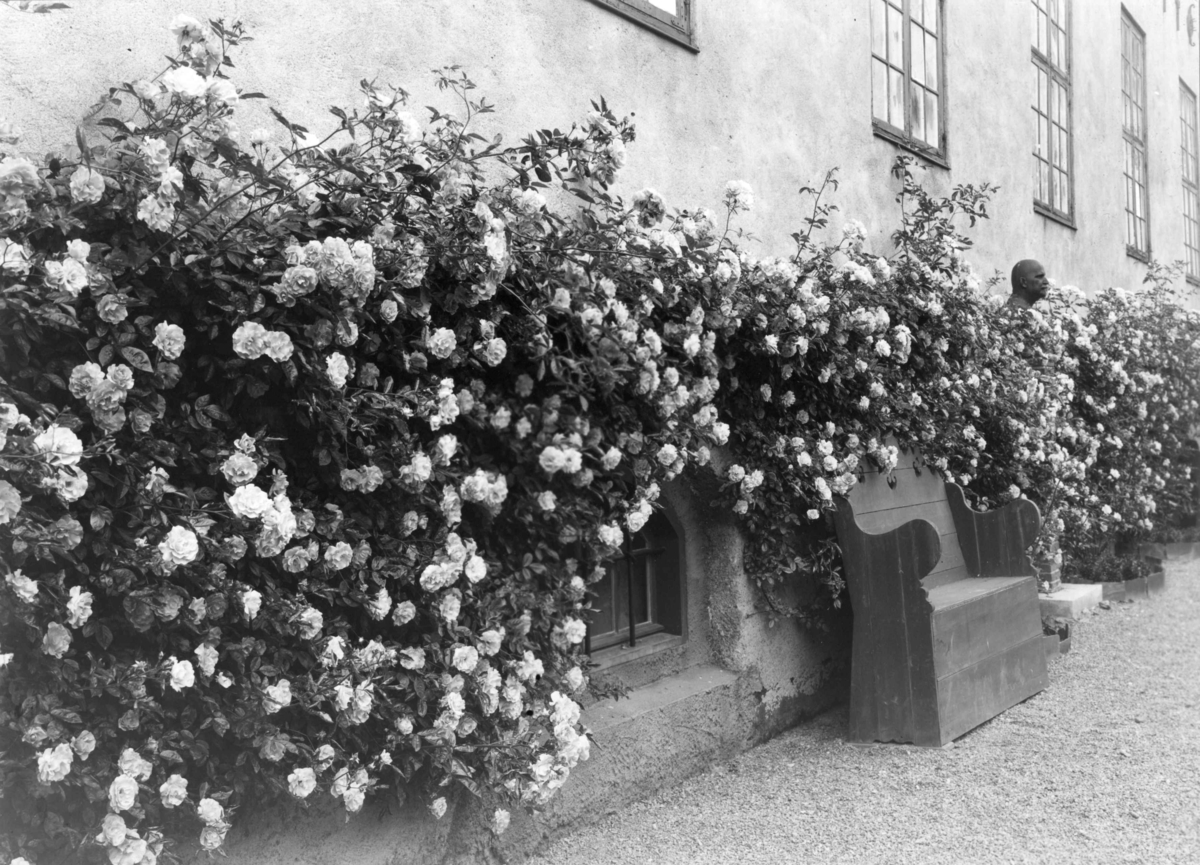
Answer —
1071 601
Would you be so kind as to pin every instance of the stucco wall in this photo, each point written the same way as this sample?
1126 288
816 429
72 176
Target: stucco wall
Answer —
779 92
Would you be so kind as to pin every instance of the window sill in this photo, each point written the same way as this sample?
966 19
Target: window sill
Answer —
615 656
1055 215
650 19
1141 255
930 155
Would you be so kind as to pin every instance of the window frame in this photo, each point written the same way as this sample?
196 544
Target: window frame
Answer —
658 550
1191 160
939 155
679 28
1061 75
1131 141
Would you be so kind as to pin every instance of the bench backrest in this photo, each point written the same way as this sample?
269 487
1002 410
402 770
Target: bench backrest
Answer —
918 492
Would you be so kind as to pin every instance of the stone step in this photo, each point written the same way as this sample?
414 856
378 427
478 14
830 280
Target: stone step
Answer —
1071 601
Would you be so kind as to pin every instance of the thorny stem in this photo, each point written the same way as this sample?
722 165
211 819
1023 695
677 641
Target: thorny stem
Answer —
817 204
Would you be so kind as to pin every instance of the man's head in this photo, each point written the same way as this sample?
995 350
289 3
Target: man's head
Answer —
1029 281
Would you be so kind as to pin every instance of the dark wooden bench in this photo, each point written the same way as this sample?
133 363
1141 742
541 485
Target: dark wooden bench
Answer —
947 627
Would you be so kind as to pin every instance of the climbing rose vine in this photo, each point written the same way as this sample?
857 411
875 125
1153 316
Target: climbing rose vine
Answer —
310 449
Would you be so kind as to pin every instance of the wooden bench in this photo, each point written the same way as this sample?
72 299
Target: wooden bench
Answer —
947 626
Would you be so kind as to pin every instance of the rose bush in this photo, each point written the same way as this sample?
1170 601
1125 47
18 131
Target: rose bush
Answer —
310 451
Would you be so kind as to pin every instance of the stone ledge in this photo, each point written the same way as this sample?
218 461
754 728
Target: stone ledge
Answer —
1071 601
661 694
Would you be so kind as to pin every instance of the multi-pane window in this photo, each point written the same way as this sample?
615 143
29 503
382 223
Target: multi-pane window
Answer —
1052 107
671 18
640 593
1133 90
906 74
1191 180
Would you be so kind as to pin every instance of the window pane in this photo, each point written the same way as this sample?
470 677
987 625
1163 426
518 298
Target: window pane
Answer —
602 619
918 54
895 36
918 112
621 599
895 99
666 6
931 119
879 89
1039 32
931 14
878 26
914 10
931 62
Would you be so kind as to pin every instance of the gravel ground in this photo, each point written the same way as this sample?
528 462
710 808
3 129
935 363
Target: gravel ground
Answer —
1103 767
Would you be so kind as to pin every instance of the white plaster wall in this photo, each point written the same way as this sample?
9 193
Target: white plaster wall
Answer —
778 93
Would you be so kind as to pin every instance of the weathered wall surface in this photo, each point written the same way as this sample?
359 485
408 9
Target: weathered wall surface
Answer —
779 92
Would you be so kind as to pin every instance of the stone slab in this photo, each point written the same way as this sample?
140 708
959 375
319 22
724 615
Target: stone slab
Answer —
1113 591
1183 551
1071 601
694 682
1156 582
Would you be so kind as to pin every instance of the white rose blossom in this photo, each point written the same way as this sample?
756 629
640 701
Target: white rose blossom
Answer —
173 791
179 547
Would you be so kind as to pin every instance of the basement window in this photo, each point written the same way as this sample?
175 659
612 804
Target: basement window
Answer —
640 597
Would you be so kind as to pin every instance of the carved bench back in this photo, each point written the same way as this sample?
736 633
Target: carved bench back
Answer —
918 492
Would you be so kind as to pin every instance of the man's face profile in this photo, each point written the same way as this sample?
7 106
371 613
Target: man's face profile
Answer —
1037 284
1029 281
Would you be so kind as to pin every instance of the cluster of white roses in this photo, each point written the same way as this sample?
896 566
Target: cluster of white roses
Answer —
347 269
70 274
251 340
104 391
551 769
273 508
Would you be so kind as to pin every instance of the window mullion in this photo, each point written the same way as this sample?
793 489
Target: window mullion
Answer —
906 41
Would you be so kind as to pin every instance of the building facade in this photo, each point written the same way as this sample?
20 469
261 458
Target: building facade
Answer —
1083 112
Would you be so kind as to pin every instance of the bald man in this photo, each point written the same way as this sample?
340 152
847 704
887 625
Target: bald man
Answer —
1029 283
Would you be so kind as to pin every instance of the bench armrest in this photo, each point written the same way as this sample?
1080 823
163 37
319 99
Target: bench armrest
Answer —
994 542
893 690
884 570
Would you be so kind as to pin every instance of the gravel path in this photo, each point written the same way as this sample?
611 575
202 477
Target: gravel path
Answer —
1104 767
